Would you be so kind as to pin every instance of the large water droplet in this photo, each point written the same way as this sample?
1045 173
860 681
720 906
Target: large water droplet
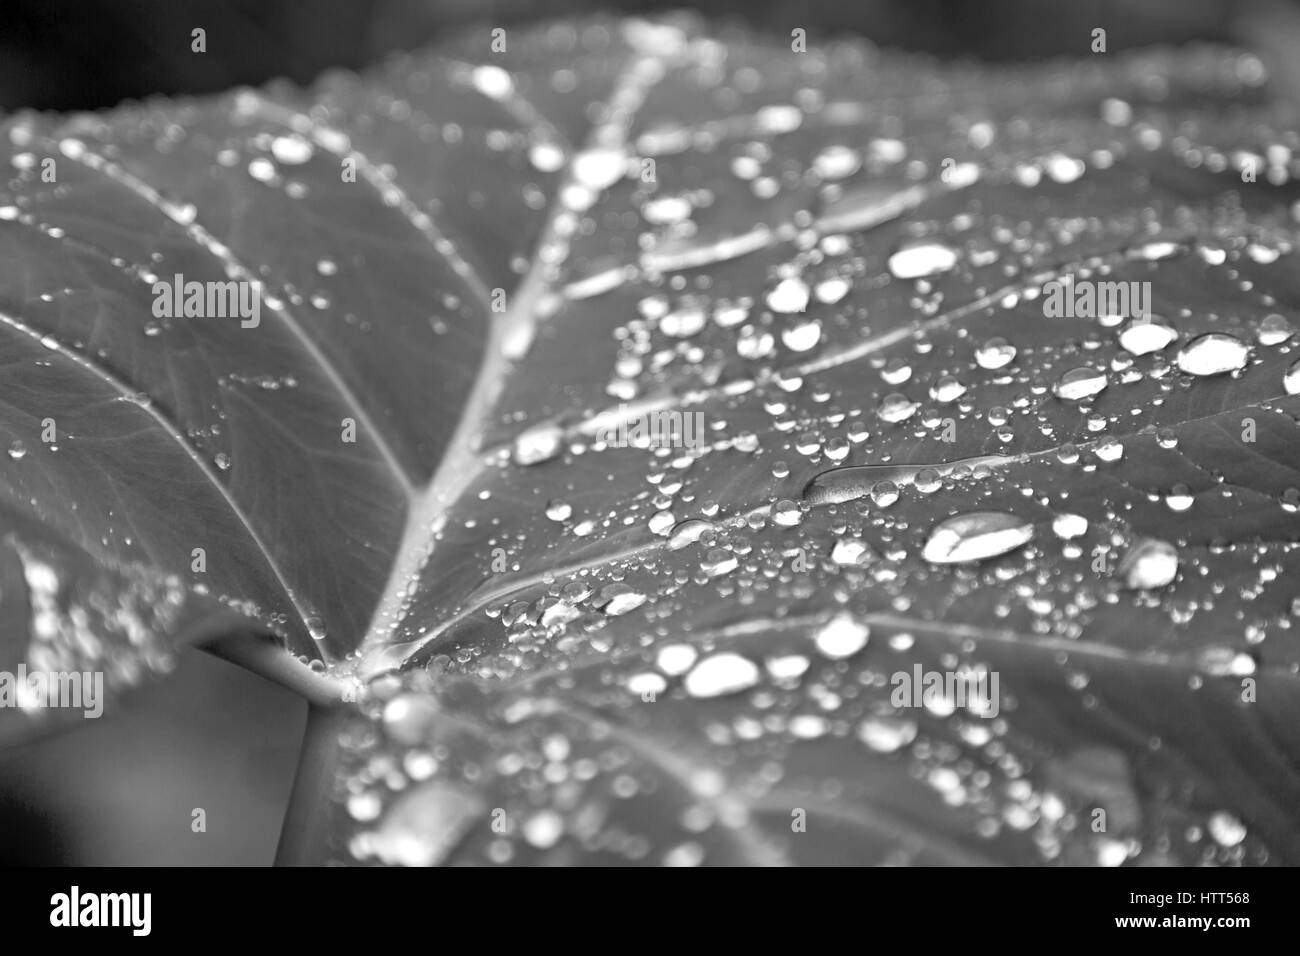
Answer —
1079 383
887 734
842 636
790 295
1150 563
538 444
721 674
976 536
1145 337
922 259
1213 354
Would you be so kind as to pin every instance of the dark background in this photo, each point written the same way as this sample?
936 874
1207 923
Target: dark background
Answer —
121 791
83 54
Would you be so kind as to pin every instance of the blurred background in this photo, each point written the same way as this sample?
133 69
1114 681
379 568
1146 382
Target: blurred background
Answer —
121 791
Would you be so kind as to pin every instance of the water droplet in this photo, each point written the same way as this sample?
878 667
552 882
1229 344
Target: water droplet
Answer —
1291 380
543 829
661 522
790 295
976 536
558 510
492 81
687 533
1180 498
1144 337
1109 450
1213 354
802 337
836 162
1226 829
896 372
17 450
947 389
842 636
884 493
291 150
832 290
1273 330
222 461
618 599
408 718
1079 383
895 408
666 210
887 734
786 513
852 552
1225 662
1150 563
598 169
1069 526
683 323
922 259
546 156
717 562
994 354
753 343
676 659
721 674
538 444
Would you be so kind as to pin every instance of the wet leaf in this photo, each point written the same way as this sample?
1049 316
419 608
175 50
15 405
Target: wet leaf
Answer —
709 401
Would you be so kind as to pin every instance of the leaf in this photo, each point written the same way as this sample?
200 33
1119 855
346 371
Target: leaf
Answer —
572 645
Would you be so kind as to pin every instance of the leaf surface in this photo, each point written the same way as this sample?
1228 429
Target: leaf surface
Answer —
572 643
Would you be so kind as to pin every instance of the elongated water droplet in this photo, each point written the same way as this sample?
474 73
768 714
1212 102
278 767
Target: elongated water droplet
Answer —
1079 383
922 259
976 536
1145 337
886 734
721 674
